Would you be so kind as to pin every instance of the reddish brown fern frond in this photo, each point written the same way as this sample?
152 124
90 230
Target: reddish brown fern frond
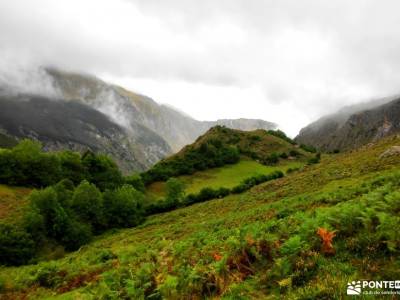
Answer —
326 238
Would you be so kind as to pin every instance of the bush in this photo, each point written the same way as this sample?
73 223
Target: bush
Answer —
308 148
123 207
72 167
175 190
16 246
87 203
283 155
102 171
292 246
76 235
271 159
136 181
47 213
314 160
291 170
294 153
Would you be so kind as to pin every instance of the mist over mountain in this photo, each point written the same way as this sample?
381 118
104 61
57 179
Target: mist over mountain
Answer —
61 124
59 109
128 108
353 126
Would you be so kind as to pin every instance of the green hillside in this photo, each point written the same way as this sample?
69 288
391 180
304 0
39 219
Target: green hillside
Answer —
222 146
12 202
303 236
227 176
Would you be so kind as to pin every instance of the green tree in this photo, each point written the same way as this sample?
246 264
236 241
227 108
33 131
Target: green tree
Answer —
271 159
16 246
102 171
87 203
136 181
72 167
175 190
76 234
53 216
123 207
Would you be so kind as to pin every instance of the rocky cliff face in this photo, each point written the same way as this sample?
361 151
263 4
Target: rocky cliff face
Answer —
60 124
353 127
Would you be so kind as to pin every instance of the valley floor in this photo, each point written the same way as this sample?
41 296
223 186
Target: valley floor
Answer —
262 244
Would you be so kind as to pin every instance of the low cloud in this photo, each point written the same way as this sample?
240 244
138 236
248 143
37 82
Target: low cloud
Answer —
310 57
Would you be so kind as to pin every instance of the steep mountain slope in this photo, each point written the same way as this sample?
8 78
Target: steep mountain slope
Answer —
60 124
304 236
353 126
128 109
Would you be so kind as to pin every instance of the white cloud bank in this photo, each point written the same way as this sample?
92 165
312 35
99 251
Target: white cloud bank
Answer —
284 61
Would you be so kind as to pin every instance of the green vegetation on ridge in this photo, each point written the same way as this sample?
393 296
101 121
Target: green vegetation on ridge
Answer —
223 146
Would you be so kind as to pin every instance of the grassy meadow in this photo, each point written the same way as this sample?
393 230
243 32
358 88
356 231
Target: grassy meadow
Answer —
227 176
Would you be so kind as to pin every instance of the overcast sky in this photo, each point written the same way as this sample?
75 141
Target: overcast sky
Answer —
286 61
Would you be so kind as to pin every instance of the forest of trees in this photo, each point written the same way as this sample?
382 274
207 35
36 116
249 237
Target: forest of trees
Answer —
79 196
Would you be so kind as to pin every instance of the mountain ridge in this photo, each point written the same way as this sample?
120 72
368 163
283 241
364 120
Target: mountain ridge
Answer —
153 130
353 126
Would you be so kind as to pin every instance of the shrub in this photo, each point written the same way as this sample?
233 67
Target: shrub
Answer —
283 155
314 160
291 170
308 148
175 190
123 207
271 159
102 171
76 234
136 181
16 246
72 167
47 213
294 153
87 203
292 246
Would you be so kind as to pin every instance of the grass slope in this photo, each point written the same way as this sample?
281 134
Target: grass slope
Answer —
258 245
12 202
227 176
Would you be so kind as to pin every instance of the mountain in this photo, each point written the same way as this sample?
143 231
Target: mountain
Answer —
61 124
128 109
141 131
353 126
